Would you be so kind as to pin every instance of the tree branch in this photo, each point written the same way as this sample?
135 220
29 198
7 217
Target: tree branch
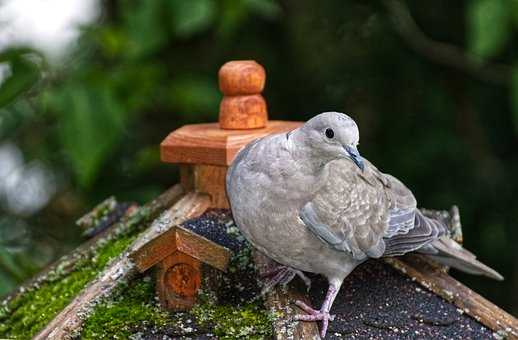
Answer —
443 53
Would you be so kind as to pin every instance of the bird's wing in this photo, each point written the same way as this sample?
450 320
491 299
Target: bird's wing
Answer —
350 212
368 214
408 229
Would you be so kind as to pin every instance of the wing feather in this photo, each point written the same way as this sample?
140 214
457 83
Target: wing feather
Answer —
368 214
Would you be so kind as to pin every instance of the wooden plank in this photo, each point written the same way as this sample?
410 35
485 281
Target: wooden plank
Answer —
67 324
208 144
202 249
438 281
282 302
155 250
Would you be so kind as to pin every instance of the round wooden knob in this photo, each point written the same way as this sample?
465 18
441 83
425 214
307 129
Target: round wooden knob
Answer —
243 112
241 77
243 106
183 279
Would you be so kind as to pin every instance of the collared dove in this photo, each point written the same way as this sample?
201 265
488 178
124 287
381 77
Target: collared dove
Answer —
309 201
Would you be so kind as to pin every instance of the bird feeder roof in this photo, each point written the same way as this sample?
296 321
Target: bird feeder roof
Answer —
376 301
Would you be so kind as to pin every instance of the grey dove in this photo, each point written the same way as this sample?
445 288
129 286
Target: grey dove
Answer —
309 201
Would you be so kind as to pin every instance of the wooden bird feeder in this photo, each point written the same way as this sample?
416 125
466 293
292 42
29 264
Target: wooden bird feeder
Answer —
178 255
205 151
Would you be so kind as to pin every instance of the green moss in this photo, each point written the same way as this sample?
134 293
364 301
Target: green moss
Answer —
225 312
29 312
132 308
250 320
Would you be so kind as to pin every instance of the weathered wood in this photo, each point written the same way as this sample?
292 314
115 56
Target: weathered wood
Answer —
91 219
209 179
68 322
438 281
182 240
240 77
202 249
153 208
282 302
208 144
178 280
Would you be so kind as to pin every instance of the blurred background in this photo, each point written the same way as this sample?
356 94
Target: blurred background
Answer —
88 89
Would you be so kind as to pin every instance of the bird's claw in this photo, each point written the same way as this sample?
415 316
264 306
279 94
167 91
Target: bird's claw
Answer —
314 315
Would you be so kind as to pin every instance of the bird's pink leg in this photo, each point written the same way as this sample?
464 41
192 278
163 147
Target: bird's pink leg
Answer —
322 314
282 275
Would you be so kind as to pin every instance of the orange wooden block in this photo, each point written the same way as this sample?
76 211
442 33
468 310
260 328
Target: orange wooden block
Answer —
208 144
243 112
241 77
178 254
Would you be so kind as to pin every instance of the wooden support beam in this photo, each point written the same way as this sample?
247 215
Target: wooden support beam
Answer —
209 179
420 269
68 322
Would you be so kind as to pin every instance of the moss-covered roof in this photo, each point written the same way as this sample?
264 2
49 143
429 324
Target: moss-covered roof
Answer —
32 307
375 301
228 308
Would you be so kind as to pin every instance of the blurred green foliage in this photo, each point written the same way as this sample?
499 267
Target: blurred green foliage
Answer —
96 117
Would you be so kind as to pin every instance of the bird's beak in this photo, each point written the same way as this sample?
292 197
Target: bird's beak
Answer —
354 155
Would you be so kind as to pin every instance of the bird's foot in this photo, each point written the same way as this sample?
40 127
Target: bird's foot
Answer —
314 315
282 275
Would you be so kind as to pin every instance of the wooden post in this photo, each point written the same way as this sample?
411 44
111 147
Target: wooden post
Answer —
205 151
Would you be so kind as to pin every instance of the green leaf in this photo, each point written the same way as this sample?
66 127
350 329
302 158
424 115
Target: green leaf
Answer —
144 28
23 73
197 96
488 26
233 14
191 17
91 125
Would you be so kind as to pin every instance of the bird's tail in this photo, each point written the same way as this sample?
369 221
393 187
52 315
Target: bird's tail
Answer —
448 252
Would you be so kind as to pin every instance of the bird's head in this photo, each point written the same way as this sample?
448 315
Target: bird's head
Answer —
332 135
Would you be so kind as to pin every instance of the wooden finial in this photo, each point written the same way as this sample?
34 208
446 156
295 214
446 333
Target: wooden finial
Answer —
205 151
242 107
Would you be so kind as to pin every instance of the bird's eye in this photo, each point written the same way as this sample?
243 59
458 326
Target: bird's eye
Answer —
330 133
